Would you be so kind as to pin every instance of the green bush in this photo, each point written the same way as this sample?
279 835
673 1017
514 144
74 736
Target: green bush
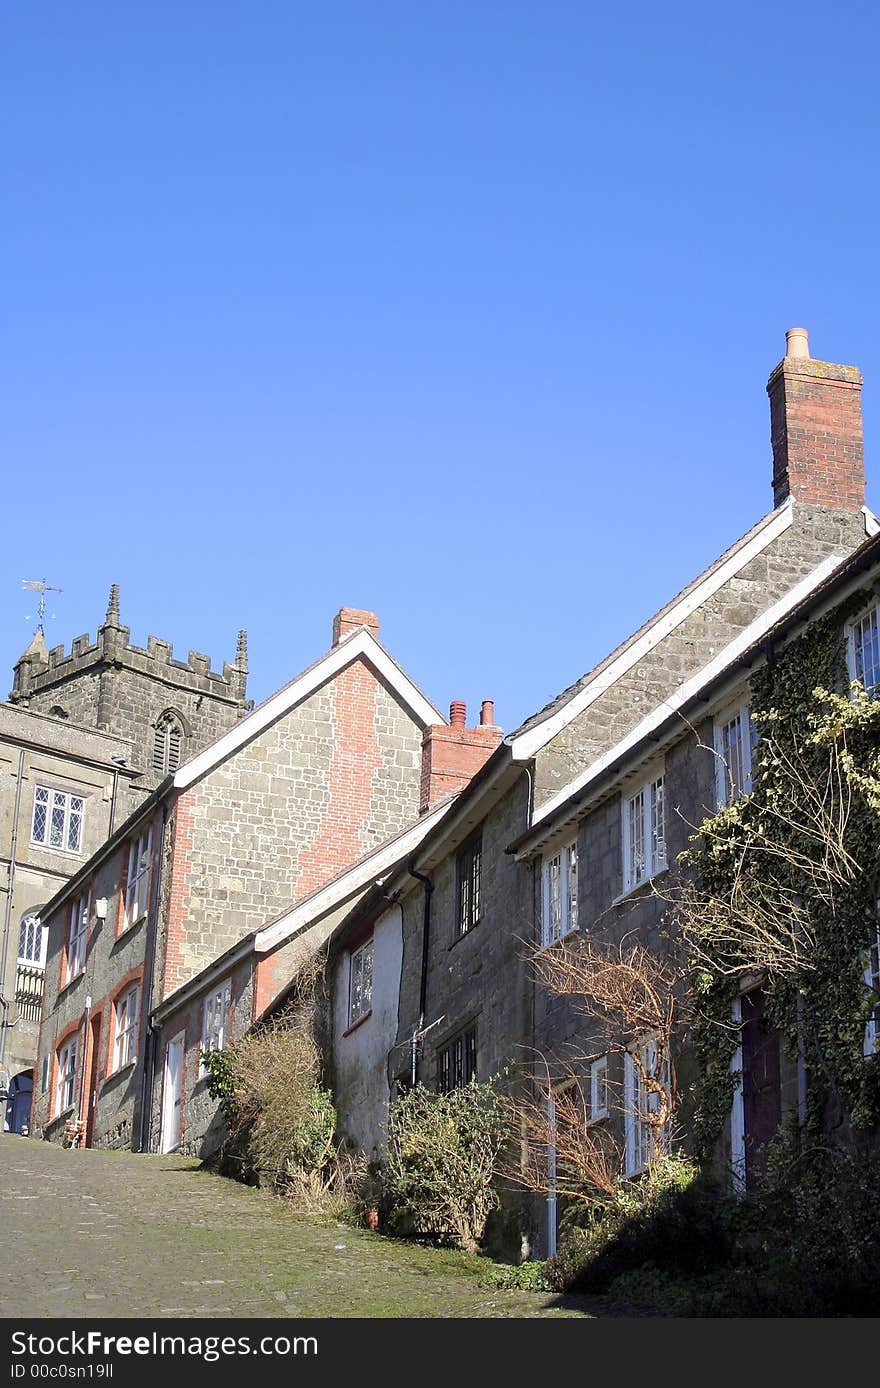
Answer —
522 1277
669 1218
806 1244
443 1158
281 1120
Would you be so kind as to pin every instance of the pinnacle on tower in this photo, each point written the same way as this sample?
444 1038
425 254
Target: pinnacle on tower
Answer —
241 659
112 618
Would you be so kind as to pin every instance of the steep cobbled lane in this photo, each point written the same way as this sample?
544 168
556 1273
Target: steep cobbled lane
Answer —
101 1234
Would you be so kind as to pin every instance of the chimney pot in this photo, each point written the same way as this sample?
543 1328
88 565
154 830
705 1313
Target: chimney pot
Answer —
797 343
487 713
458 713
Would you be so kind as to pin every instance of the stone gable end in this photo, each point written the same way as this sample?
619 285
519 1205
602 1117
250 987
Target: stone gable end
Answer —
325 784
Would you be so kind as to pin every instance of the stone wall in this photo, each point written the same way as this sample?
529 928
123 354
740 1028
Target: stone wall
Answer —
41 751
478 978
312 793
116 957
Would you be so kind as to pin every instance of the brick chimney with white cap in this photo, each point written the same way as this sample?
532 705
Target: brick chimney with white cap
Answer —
816 429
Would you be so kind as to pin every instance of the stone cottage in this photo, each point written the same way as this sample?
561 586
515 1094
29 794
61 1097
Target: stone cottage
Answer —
317 777
581 809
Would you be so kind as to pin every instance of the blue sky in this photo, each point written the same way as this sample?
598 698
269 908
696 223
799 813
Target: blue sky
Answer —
461 312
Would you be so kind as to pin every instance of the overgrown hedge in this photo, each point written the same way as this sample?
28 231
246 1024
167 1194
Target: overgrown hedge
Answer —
806 1244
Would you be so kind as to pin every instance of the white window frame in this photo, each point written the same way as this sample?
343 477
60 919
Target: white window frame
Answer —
50 799
726 789
360 996
638 1134
643 826
854 629
215 1018
128 1011
599 1089
737 1110
78 935
65 1082
137 881
872 981
559 892
34 936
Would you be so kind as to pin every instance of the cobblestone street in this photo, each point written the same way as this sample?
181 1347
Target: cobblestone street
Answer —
105 1234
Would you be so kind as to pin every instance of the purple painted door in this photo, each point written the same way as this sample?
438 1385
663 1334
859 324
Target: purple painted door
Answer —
762 1097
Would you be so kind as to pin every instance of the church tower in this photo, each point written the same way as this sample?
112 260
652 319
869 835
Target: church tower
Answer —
166 709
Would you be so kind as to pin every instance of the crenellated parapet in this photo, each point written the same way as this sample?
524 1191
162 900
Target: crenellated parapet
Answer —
111 684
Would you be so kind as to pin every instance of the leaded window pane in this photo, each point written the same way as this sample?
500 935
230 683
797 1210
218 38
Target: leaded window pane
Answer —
41 809
74 828
30 940
56 824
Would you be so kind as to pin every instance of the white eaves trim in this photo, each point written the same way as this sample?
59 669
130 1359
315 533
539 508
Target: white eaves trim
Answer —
359 643
362 874
872 525
746 638
524 747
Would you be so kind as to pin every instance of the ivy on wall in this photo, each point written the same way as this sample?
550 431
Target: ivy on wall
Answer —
785 883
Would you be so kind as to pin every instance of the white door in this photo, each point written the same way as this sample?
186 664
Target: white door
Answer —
172 1093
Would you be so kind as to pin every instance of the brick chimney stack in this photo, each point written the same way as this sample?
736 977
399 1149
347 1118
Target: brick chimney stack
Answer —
816 429
349 619
453 754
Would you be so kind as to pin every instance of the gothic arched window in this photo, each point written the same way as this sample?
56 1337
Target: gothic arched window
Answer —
167 743
32 940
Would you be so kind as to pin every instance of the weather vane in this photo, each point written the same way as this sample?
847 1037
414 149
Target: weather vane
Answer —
39 585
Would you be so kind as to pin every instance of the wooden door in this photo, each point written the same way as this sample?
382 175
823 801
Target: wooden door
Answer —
761 1092
93 1071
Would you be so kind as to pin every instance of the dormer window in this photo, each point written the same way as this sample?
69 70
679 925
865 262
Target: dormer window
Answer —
167 743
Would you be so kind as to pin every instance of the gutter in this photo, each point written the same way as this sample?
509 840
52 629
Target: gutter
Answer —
147 988
423 982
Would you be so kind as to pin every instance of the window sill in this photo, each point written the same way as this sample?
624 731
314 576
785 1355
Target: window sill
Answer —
114 1074
50 848
465 935
560 939
132 925
639 887
70 982
66 1113
359 1023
